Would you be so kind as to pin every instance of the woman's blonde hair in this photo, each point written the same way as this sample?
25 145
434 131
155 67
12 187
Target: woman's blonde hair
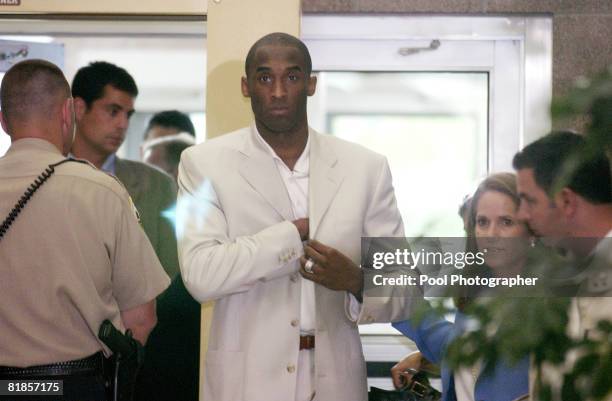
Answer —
504 183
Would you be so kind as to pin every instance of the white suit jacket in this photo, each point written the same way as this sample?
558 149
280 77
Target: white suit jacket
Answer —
236 240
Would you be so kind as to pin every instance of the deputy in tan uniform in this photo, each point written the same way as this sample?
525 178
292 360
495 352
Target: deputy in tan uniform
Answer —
571 209
75 254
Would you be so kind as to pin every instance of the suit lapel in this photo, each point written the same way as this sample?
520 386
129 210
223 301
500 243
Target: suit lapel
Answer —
130 181
325 179
259 170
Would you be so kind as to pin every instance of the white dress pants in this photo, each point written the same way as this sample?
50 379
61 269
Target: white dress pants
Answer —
305 391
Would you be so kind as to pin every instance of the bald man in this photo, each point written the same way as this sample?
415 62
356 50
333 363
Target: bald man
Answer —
72 253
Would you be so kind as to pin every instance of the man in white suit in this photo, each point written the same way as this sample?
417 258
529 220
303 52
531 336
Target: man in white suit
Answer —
249 199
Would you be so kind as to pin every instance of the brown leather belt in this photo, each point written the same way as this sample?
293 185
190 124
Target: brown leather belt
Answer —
307 342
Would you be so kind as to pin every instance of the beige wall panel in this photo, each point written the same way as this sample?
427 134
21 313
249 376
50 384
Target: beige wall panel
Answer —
233 26
205 321
166 7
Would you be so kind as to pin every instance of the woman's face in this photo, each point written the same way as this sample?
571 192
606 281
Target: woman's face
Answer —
499 234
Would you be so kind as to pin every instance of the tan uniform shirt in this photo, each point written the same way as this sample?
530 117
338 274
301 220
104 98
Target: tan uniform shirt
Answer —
75 256
584 314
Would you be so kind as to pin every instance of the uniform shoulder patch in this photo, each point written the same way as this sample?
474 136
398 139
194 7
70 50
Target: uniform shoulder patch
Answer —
134 209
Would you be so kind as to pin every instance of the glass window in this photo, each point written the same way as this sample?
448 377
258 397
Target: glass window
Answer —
432 127
446 98
166 58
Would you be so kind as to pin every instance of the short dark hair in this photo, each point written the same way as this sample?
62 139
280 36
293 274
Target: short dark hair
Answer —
171 119
32 87
89 81
565 159
278 38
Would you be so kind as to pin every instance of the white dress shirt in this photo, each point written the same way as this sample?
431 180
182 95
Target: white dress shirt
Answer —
296 183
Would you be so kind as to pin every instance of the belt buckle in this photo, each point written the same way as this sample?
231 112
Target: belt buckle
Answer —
419 389
307 342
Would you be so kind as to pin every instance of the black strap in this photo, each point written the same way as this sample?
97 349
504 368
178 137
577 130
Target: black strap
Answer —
44 176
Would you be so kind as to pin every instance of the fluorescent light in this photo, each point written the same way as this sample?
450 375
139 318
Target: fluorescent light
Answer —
28 38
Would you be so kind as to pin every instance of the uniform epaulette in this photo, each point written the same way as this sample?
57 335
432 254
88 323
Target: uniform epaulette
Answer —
114 177
74 159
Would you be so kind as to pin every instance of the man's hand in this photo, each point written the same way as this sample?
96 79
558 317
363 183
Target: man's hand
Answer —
332 269
302 227
403 371
141 320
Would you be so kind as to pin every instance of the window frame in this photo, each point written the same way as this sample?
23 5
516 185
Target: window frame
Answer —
515 51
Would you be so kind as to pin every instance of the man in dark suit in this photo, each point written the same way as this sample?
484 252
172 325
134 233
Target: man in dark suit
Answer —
104 96
172 363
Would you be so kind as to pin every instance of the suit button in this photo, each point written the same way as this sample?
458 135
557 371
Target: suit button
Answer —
294 322
290 368
293 278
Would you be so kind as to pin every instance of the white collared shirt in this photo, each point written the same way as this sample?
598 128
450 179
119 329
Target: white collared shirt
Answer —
296 183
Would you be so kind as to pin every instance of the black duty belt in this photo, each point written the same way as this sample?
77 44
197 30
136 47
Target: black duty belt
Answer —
92 365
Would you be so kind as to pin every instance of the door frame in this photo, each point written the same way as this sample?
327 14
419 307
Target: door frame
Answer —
515 51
